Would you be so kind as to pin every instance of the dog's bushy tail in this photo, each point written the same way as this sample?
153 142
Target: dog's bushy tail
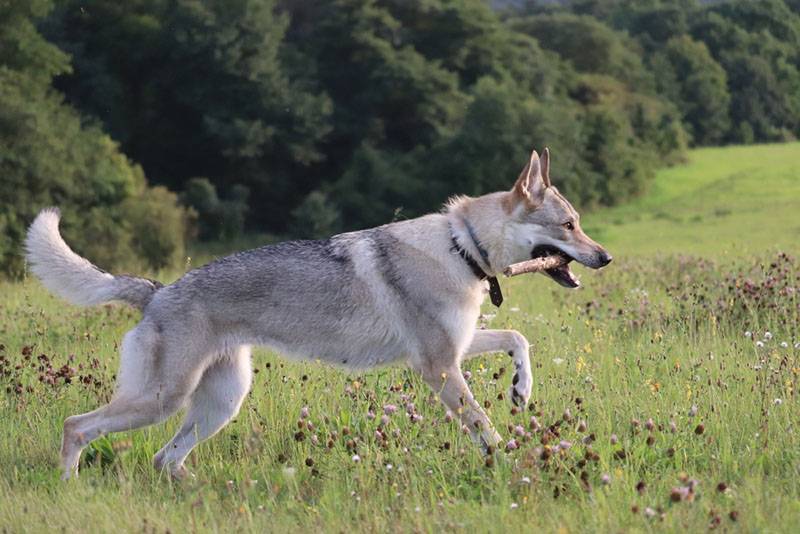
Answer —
75 278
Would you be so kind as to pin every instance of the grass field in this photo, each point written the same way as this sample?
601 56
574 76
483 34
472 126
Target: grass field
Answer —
653 410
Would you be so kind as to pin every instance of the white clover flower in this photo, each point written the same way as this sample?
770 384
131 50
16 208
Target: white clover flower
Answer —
759 344
514 505
356 458
767 335
748 334
777 402
784 345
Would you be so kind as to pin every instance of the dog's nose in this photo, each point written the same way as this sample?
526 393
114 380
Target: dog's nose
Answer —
605 258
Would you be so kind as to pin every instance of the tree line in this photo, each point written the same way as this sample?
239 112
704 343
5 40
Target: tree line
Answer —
302 118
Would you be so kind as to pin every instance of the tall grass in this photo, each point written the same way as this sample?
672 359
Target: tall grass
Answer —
651 409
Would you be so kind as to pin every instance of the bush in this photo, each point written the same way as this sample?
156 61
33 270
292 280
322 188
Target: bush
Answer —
315 217
217 218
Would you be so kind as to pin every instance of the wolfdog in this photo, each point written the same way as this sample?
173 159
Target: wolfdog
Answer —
409 291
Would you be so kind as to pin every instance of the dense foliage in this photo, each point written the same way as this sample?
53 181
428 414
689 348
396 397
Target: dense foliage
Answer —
50 156
305 117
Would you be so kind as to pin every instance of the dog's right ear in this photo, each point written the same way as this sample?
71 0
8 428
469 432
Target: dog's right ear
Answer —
531 184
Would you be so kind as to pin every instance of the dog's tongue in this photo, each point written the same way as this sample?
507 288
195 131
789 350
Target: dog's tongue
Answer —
564 276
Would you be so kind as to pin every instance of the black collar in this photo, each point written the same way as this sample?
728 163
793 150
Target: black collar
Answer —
495 294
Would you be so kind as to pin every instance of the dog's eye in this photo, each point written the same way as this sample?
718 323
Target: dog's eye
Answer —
569 226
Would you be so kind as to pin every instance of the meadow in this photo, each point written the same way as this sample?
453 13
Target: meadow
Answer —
664 397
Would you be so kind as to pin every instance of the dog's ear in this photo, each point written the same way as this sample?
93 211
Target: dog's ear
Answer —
531 184
545 165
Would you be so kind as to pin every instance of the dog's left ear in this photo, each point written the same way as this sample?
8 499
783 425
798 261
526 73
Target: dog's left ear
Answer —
531 184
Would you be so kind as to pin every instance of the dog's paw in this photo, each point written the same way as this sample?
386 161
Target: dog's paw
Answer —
520 390
180 474
489 440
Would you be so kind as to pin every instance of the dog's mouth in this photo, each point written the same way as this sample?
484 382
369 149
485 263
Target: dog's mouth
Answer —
563 274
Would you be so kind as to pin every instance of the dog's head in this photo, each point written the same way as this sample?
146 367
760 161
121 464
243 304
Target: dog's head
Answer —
543 222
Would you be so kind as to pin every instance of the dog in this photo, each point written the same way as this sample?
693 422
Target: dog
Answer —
409 292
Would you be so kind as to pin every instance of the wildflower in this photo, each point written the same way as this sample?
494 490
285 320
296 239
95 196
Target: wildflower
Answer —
567 415
384 420
649 512
370 415
673 427
467 375
564 444
693 410
448 416
641 486
514 505
614 439
784 345
582 426
389 467
389 409
634 422
410 408
416 418
558 361
722 487
777 402
678 494
797 345
519 430
605 479
288 472
304 412
534 424
748 334
767 335
759 344
512 445
649 424
525 480
356 458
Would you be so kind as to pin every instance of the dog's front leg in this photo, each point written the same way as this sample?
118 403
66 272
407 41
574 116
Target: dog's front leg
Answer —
515 345
455 394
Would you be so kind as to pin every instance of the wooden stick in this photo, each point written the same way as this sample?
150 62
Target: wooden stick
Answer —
535 265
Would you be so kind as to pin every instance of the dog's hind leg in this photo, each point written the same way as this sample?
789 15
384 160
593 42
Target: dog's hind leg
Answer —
216 401
150 389
515 345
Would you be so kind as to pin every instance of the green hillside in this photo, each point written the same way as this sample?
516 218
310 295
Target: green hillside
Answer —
732 200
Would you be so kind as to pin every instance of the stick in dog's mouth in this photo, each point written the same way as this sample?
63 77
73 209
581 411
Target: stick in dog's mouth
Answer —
550 260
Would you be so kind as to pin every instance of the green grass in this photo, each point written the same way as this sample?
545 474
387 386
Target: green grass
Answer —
660 330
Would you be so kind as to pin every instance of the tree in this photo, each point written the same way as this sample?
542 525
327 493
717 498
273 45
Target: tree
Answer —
48 156
198 88
689 76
